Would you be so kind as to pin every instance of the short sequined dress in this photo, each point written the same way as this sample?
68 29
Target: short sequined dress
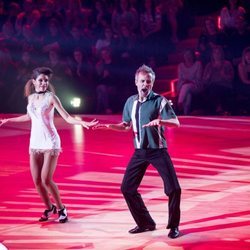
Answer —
44 136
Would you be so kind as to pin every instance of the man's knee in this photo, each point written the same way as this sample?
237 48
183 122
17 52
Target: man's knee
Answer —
127 191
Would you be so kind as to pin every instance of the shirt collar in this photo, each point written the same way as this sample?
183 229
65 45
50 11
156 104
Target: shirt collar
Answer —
150 96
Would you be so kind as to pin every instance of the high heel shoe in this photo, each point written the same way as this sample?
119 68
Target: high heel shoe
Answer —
63 217
48 212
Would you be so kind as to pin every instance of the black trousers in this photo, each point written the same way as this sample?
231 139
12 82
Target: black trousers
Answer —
134 173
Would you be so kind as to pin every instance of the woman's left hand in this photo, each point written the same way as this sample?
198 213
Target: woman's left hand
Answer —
92 123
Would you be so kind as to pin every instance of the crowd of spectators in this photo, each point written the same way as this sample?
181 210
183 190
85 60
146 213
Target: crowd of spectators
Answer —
210 78
94 47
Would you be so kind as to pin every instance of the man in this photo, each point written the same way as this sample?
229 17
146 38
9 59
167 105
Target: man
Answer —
147 113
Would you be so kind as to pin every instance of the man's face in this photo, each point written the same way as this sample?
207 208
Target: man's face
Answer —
144 83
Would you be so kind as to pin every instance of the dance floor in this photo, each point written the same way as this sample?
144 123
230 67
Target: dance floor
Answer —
212 159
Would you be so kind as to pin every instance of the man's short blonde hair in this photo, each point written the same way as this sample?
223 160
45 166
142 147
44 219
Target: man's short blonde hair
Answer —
145 69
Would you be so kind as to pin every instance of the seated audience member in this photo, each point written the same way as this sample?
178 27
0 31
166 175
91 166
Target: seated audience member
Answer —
150 28
218 77
243 86
100 17
23 68
123 13
238 40
75 14
126 46
9 40
172 8
127 58
105 74
77 38
229 15
210 37
244 70
189 81
28 40
7 79
82 71
107 40
29 15
57 63
55 37
51 10
10 12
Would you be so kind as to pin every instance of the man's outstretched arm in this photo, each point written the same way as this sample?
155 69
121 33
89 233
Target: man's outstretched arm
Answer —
123 126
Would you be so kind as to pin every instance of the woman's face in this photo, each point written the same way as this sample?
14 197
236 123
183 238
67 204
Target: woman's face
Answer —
210 26
26 57
78 56
189 57
41 83
247 57
53 29
233 3
217 54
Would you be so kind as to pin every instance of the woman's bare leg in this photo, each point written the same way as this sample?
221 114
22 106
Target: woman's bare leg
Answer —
48 169
36 166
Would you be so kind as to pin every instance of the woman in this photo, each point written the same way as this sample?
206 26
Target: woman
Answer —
45 144
210 37
218 77
150 28
244 69
189 81
243 88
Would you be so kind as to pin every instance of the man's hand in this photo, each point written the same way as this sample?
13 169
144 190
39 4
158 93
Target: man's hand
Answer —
92 123
101 126
156 122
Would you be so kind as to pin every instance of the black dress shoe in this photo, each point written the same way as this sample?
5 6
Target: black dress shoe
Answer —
137 229
173 233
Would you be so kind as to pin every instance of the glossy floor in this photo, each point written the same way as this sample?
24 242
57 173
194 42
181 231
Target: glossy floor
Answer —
212 160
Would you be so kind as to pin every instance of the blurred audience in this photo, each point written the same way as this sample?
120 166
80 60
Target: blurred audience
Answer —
94 46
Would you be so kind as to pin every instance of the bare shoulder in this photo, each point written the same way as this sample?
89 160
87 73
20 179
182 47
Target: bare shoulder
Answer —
30 97
53 97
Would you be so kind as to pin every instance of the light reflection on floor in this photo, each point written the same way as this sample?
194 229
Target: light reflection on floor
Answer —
211 156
